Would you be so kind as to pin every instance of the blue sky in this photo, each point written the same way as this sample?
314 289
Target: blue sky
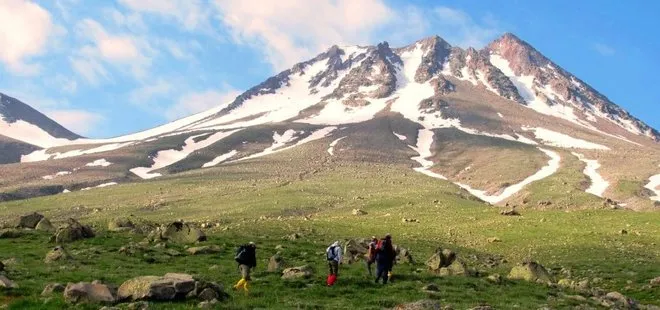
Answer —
105 68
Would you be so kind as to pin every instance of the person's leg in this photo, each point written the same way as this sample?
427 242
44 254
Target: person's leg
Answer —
335 265
369 263
242 281
330 267
386 274
246 276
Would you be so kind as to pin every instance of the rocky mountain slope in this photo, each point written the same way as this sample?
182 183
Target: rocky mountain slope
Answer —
495 122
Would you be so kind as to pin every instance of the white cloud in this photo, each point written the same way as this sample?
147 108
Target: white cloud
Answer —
458 28
196 102
64 84
144 94
192 14
78 121
25 28
604 49
122 50
290 31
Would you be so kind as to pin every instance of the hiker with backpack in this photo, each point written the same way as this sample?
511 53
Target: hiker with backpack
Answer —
371 253
246 257
385 256
333 254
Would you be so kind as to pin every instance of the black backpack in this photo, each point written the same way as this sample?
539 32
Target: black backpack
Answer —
241 254
331 255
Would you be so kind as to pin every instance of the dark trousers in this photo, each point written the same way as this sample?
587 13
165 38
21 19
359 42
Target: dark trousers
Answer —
333 265
381 272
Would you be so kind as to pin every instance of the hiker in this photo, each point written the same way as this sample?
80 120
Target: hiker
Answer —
371 253
333 253
385 256
246 257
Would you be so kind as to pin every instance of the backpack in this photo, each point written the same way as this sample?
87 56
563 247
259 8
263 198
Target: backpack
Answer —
241 254
330 254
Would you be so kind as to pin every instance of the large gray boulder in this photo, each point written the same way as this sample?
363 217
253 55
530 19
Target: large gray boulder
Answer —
442 258
45 225
5 283
180 232
89 293
169 287
207 249
72 231
29 220
355 250
530 271
276 263
120 224
301 272
52 288
57 254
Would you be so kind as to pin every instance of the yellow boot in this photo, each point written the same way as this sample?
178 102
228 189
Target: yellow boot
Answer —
241 284
245 287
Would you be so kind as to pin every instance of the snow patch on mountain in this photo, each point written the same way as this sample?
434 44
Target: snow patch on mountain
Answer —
654 186
169 157
281 140
99 163
41 155
99 186
424 149
557 139
23 131
220 159
546 171
331 149
598 183
401 137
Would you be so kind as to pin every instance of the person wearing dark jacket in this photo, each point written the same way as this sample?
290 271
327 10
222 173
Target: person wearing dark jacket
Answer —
246 257
385 256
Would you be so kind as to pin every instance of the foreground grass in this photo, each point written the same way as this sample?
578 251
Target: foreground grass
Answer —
266 201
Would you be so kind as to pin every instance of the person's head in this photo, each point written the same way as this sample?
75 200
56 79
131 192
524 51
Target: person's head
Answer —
336 243
388 236
252 245
373 238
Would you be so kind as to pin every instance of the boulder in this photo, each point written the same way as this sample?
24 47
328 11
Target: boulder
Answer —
294 237
442 258
355 250
510 212
359 212
88 293
203 291
45 225
120 224
180 232
73 231
655 282
211 304
426 304
403 255
52 288
431 289
9 233
208 294
207 249
616 300
5 283
276 263
530 271
57 254
456 268
301 272
29 220
495 278
169 287
493 240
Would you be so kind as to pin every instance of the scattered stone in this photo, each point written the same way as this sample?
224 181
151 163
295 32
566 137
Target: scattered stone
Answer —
29 220
140 305
276 263
172 252
72 231
495 278
407 220
430 288
5 283
494 239
180 232
120 224
623 232
208 294
211 304
169 287
359 212
655 282
207 249
456 268
530 271
403 255
294 237
45 225
10 233
441 258
57 254
301 272
510 212
52 288
355 250
617 300
88 293
425 304
482 307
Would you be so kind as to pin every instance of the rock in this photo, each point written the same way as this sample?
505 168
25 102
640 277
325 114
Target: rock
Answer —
73 231
45 225
179 232
211 304
495 278
208 294
52 288
355 250
207 249
623 232
120 224
359 212
172 252
29 220
140 305
655 282
530 271
169 287
403 255
426 304
493 240
294 237
510 212
301 272
456 268
407 220
617 300
57 254
89 293
10 233
276 263
430 288
482 307
5 283
441 258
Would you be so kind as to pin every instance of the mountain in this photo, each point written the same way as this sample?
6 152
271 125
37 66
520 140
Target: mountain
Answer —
503 123
24 129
